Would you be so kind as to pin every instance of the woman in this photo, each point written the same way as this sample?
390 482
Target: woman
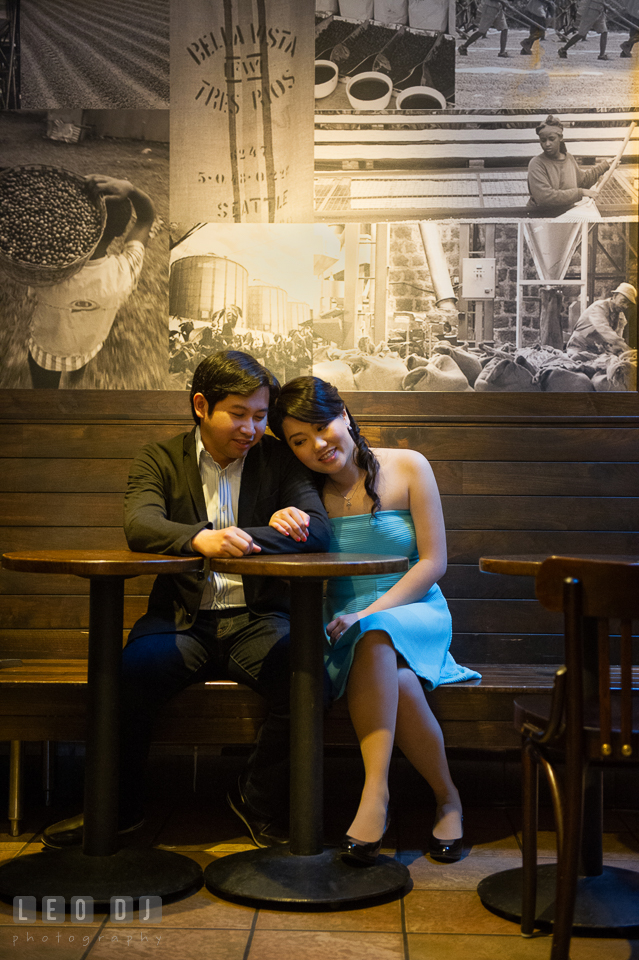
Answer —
384 632
555 180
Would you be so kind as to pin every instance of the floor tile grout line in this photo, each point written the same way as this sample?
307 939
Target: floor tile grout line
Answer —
249 941
402 909
94 939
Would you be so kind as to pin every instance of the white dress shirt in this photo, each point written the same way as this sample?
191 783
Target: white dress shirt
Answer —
221 487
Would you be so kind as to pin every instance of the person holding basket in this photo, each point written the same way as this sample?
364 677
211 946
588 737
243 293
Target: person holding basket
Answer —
72 319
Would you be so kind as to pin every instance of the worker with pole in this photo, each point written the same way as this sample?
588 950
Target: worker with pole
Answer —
631 22
592 16
540 12
492 15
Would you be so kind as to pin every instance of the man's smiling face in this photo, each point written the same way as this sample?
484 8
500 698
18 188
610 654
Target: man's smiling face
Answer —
234 425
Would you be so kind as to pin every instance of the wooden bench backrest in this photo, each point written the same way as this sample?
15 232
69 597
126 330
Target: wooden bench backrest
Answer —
518 473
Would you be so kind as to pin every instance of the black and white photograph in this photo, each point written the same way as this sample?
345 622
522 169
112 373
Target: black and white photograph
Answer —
478 164
546 53
447 307
84 249
389 55
250 287
10 73
86 53
241 119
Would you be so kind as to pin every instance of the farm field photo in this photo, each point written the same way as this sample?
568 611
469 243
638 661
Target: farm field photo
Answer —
85 53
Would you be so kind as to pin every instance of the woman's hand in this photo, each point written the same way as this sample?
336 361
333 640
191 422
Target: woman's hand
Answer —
291 522
341 624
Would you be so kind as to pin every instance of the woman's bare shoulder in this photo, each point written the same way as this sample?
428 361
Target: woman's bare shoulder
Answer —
405 461
398 456
404 476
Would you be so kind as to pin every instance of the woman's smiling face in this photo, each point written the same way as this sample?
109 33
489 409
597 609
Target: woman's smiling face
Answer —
322 447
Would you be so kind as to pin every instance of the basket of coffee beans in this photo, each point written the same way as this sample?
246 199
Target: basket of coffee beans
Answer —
50 223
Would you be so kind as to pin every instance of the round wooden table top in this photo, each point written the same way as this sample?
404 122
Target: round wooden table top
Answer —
98 563
528 565
319 565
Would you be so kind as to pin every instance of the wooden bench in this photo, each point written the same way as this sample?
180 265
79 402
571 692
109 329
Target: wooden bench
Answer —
518 473
44 700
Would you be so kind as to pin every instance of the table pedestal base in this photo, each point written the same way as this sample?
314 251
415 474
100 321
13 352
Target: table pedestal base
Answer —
131 872
274 876
606 905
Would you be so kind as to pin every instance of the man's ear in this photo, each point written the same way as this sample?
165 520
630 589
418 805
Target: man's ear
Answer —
200 405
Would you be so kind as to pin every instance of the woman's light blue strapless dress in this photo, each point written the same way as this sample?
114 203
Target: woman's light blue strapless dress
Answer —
420 631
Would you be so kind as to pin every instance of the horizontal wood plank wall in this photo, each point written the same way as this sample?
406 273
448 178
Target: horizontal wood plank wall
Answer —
518 473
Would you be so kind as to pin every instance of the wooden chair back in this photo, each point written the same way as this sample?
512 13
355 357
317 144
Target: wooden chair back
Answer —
591 593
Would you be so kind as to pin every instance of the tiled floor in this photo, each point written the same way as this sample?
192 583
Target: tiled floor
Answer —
441 918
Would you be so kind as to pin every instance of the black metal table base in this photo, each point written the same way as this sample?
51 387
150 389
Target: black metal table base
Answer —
272 875
131 872
606 905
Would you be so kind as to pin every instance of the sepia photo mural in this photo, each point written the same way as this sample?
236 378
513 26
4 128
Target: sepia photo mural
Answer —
395 195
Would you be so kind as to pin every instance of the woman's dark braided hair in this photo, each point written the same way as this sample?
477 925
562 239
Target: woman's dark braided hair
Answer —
312 400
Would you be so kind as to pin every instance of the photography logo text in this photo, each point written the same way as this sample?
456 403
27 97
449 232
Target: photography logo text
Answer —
81 912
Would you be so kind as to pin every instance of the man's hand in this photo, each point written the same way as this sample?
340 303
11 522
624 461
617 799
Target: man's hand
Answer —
593 193
291 522
141 202
228 542
341 624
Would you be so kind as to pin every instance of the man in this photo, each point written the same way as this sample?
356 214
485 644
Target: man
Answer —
631 16
592 16
566 19
222 490
540 11
492 15
600 327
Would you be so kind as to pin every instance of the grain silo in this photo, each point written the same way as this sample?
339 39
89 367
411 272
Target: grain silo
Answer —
267 308
200 286
297 313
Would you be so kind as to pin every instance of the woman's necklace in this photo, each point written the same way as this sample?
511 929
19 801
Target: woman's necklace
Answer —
349 497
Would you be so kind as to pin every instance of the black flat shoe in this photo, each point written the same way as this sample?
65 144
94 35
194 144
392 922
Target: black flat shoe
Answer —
353 849
445 851
263 833
70 833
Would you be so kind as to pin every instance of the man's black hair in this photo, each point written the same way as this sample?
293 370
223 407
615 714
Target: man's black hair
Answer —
230 371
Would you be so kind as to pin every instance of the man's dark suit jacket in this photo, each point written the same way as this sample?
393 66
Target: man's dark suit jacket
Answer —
164 509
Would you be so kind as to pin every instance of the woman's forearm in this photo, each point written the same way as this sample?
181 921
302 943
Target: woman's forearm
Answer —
412 587
588 176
